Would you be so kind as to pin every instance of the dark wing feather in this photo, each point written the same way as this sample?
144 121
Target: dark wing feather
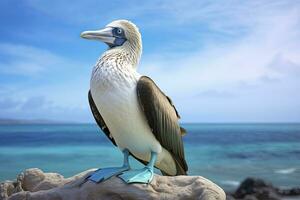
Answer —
99 118
162 118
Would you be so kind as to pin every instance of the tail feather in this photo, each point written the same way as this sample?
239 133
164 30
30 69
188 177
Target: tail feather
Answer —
181 167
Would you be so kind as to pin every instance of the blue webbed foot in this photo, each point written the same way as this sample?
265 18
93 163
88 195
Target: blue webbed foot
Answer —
144 175
106 173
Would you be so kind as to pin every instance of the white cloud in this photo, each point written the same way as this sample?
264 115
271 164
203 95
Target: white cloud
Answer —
224 60
272 39
27 60
46 85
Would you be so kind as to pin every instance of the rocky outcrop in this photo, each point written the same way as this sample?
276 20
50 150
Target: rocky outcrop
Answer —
258 189
34 184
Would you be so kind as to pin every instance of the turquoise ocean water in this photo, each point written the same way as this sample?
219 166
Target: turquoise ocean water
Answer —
224 153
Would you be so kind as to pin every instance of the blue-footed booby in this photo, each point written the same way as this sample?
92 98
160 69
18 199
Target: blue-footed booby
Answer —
131 110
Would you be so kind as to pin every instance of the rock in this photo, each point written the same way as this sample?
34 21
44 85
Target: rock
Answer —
31 178
258 189
261 189
8 188
35 184
289 192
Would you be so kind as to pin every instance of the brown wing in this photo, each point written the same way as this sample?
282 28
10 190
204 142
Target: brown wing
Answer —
99 119
162 118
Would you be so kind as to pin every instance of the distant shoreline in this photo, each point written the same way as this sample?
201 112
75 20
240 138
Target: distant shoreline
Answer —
55 122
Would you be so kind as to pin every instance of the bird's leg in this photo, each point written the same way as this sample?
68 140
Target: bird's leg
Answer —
105 173
144 175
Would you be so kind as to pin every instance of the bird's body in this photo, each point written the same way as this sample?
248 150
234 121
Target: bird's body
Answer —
113 87
131 110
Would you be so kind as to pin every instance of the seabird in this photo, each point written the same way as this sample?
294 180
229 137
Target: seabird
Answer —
131 110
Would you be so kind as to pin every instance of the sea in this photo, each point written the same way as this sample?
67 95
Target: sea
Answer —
223 153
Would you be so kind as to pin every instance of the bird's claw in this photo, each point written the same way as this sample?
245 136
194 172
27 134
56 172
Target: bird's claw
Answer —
144 175
106 173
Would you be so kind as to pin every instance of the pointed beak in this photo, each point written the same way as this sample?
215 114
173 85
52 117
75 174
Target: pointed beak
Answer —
104 35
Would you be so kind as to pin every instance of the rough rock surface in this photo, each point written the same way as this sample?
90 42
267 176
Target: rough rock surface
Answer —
258 189
34 184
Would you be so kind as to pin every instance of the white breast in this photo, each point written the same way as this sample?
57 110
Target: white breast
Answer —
113 90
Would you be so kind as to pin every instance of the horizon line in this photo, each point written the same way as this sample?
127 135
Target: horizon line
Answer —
6 121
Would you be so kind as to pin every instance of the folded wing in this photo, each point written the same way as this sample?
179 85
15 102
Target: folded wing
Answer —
162 118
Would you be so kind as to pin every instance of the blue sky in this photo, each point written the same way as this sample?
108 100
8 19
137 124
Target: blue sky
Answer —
220 61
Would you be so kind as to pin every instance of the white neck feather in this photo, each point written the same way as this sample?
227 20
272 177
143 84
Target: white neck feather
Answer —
128 54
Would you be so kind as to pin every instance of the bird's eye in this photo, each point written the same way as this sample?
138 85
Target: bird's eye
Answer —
119 31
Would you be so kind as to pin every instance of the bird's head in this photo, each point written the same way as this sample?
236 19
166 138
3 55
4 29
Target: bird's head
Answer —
121 34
